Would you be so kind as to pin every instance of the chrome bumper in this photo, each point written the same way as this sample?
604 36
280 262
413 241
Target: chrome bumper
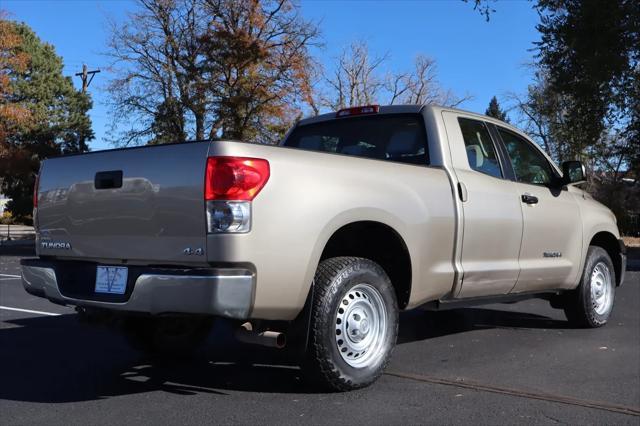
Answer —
222 292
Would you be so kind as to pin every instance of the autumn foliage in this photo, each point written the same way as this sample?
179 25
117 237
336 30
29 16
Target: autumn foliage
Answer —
12 114
41 113
210 69
259 63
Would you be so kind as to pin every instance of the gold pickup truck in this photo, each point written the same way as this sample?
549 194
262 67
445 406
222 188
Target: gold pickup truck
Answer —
357 215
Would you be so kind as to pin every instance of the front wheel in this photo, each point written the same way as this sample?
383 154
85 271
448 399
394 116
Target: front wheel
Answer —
590 305
354 323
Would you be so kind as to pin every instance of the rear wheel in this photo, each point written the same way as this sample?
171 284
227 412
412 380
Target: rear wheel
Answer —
590 305
354 323
167 337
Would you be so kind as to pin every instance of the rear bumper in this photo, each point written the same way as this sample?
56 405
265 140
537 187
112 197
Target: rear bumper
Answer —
226 292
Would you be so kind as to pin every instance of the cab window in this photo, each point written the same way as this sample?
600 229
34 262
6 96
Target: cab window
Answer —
391 137
529 165
481 152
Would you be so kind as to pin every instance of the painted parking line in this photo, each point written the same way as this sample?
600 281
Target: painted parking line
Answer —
29 311
10 276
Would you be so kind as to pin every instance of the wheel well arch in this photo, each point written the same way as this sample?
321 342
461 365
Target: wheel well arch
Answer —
610 244
380 243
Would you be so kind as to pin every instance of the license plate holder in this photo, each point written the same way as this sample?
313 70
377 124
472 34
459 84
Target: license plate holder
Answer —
111 279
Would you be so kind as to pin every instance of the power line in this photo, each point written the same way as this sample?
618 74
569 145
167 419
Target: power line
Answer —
84 75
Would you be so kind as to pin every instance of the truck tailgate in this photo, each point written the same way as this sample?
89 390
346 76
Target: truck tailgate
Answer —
155 211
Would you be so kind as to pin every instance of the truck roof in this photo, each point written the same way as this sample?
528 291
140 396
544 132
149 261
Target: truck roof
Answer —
402 109
412 109
384 109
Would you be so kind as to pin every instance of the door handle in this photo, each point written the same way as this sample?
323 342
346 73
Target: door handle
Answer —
462 191
108 180
529 199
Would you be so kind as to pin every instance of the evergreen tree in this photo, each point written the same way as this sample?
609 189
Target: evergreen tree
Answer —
168 124
495 111
56 115
591 52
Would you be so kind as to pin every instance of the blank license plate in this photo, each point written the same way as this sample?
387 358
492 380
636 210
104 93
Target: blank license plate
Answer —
111 279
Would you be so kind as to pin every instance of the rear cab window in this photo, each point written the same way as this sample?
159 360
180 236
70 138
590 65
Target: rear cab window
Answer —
391 137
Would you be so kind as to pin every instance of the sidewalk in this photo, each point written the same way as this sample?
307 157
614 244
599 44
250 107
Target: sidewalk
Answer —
16 232
17 240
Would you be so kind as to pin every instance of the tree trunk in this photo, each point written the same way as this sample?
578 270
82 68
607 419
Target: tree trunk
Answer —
199 126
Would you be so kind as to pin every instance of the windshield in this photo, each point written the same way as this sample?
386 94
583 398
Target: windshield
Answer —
392 137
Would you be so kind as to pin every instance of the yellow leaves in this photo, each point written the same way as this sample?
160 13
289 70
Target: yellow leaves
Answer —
237 68
256 18
12 116
14 113
10 57
261 48
12 60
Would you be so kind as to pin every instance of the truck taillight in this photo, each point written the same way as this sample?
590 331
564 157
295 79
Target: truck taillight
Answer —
35 191
235 178
231 183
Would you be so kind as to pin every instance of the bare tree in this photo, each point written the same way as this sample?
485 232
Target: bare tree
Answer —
358 79
483 7
355 79
541 113
156 58
420 86
399 86
208 68
259 64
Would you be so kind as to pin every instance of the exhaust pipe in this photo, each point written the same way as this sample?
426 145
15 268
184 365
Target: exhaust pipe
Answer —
272 339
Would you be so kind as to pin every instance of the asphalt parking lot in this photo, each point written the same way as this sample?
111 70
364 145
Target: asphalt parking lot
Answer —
497 364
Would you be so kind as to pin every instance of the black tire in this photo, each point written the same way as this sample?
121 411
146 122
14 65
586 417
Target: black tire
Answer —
579 304
167 337
334 279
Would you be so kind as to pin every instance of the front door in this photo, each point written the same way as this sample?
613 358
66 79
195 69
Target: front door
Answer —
552 234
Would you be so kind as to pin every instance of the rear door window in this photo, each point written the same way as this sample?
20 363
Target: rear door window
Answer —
391 137
481 152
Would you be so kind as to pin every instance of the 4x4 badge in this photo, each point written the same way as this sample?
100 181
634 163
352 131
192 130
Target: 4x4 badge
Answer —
189 251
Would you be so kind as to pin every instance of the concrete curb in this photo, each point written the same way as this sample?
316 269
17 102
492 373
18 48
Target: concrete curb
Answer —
18 243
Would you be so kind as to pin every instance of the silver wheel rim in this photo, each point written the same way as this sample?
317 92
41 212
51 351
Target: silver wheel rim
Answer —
361 326
601 288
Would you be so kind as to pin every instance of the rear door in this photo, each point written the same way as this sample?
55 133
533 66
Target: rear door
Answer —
492 222
552 234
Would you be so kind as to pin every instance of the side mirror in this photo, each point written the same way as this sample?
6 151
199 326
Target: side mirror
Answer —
573 172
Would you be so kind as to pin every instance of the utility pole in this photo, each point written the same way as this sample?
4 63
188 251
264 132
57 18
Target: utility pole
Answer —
84 75
86 81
